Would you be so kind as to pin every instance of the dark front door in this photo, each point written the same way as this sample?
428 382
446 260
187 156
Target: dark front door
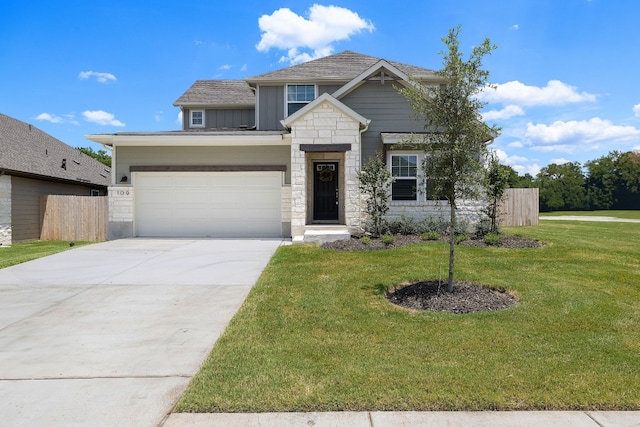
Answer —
325 191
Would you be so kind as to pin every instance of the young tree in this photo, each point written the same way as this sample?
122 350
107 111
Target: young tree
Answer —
375 182
496 182
456 141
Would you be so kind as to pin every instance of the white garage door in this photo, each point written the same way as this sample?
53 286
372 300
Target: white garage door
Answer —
207 204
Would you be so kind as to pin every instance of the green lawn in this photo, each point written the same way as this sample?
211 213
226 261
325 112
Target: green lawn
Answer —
316 334
616 214
22 252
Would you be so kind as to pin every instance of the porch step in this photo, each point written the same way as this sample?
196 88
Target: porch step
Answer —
325 233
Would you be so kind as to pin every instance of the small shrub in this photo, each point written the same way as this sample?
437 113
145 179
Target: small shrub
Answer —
404 225
461 238
483 227
430 235
492 239
433 223
365 240
377 228
387 239
462 226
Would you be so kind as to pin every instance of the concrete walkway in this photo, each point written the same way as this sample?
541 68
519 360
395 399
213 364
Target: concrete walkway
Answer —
111 334
412 419
587 218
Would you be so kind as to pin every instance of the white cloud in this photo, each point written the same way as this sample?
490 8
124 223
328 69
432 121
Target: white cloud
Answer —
54 118
531 169
509 160
580 133
515 27
636 110
225 67
179 119
506 113
286 30
559 161
50 118
100 77
516 144
554 93
159 116
244 67
102 118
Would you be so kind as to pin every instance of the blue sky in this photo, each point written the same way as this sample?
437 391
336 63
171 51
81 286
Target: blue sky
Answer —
566 70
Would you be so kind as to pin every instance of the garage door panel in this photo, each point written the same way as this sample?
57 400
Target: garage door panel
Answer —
213 204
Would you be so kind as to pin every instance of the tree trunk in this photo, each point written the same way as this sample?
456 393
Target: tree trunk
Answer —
452 246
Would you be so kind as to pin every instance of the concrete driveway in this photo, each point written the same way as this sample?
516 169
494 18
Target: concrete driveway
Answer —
111 334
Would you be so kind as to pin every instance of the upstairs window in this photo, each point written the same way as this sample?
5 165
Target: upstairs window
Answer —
196 118
298 96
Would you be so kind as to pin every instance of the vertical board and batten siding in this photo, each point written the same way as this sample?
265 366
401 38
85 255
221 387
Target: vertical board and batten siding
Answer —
223 118
230 118
25 204
272 104
270 107
520 207
82 218
388 111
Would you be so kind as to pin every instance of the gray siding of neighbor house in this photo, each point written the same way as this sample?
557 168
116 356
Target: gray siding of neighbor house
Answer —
271 104
190 156
223 118
25 204
388 111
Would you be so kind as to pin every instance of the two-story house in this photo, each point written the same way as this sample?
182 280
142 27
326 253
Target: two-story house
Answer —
275 155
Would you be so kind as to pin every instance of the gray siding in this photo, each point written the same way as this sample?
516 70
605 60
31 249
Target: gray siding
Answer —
328 89
25 204
189 156
223 118
388 111
270 107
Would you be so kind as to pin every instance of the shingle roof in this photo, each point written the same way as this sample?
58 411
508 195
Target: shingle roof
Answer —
341 66
218 92
26 149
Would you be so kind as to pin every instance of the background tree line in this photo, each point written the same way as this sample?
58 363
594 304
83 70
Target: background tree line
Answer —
609 182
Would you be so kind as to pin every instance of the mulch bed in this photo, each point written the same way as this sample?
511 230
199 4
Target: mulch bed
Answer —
432 295
466 297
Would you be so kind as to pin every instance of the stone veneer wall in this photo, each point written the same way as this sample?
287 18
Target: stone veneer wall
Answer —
120 212
5 210
325 124
286 210
470 210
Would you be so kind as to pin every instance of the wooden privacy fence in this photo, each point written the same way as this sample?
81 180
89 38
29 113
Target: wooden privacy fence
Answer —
74 218
520 207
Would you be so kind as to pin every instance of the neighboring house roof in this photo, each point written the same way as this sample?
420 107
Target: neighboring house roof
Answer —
342 66
27 151
222 93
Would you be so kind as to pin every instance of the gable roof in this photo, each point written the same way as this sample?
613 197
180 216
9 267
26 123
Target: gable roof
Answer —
222 93
28 151
343 66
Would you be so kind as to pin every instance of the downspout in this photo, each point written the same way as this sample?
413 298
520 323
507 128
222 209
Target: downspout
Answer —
363 130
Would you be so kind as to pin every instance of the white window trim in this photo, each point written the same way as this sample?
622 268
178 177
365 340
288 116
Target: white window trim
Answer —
420 195
286 95
191 125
